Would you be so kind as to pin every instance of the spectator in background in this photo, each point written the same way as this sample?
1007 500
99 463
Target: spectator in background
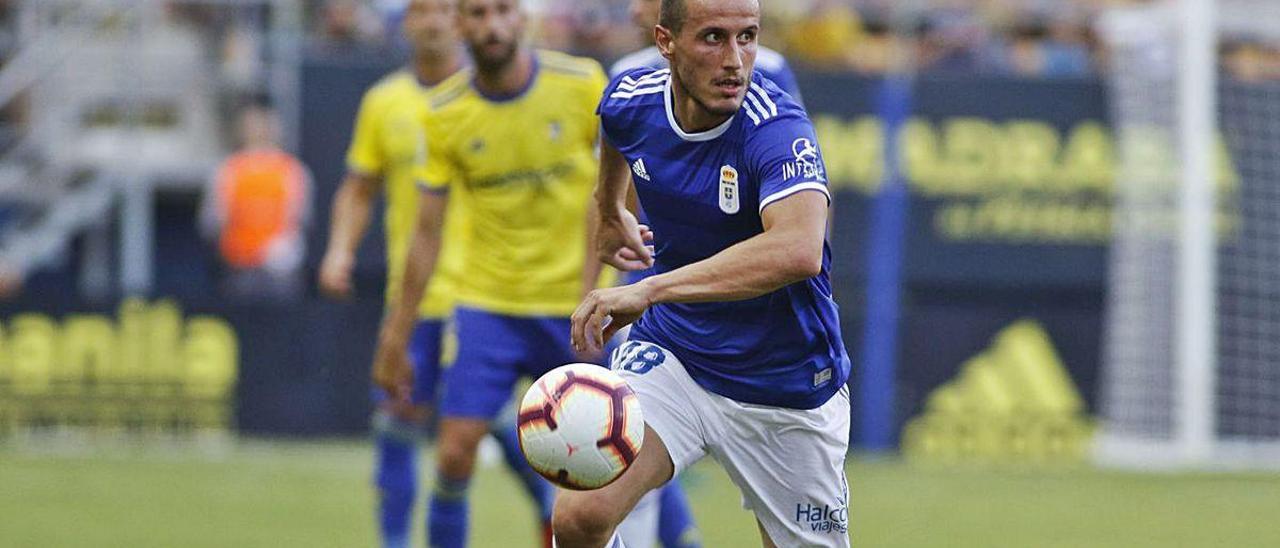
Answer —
875 50
1042 48
954 38
1025 54
1249 60
255 209
12 280
827 35
349 23
1067 49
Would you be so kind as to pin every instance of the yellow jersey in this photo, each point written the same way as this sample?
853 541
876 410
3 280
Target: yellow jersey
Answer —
523 169
388 142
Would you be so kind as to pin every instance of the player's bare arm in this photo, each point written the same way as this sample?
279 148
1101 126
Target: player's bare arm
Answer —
391 368
348 222
620 240
788 251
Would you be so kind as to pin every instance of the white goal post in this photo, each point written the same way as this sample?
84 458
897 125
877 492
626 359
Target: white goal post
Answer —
1191 362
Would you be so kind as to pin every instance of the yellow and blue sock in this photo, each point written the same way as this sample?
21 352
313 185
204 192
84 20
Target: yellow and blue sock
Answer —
447 514
396 478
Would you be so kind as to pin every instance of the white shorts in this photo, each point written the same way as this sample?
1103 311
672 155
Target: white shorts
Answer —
788 463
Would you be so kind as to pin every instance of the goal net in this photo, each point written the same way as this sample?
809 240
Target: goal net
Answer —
1191 360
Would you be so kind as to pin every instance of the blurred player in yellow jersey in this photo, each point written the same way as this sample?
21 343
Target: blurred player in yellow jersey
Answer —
387 146
511 143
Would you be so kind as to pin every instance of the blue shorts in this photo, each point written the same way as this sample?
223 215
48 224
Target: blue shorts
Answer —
494 351
425 346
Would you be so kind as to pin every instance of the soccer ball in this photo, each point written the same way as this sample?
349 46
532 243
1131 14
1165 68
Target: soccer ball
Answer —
580 426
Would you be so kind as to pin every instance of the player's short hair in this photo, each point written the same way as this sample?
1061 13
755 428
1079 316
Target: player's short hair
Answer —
671 14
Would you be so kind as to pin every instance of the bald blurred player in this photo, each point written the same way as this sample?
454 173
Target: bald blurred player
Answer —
387 145
511 143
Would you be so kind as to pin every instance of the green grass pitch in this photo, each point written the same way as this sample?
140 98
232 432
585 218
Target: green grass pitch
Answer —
317 494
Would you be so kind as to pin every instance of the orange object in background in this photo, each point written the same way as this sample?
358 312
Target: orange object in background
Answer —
260 193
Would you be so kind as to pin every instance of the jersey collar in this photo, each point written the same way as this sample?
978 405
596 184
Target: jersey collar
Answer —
699 136
498 98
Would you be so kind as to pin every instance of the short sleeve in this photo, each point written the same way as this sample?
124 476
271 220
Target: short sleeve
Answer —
434 170
365 153
611 127
785 159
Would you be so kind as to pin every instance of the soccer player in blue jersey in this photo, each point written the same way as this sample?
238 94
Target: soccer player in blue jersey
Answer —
735 349
676 528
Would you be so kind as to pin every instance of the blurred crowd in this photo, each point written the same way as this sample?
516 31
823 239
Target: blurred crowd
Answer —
1025 38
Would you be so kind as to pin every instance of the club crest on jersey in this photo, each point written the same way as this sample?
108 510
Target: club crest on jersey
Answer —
729 202
808 162
554 130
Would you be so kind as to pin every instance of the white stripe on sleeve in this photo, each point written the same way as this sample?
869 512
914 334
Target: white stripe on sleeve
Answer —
794 189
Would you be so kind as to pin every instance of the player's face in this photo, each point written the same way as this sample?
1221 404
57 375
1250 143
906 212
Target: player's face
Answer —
644 13
429 25
492 30
713 54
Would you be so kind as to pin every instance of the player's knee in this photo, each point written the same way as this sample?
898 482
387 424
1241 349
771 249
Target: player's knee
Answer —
457 450
456 459
579 521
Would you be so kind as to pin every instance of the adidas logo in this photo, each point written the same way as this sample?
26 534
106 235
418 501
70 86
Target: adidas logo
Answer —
638 168
1014 401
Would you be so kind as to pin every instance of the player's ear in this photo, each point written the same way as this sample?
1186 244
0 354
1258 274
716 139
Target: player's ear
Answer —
665 40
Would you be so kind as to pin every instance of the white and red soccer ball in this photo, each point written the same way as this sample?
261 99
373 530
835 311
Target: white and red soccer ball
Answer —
580 426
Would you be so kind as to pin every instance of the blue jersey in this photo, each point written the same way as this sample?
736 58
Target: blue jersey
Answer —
704 192
769 63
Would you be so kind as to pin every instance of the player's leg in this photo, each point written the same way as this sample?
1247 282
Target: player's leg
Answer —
676 528
640 527
395 476
475 389
674 440
765 541
448 513
397 430
587 519
789 464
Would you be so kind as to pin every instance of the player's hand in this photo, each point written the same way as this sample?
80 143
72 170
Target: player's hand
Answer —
391 369
623 242
588 356
603 312
335 275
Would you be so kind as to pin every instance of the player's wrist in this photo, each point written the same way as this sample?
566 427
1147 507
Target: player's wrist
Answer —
395 328
611 210
650 290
